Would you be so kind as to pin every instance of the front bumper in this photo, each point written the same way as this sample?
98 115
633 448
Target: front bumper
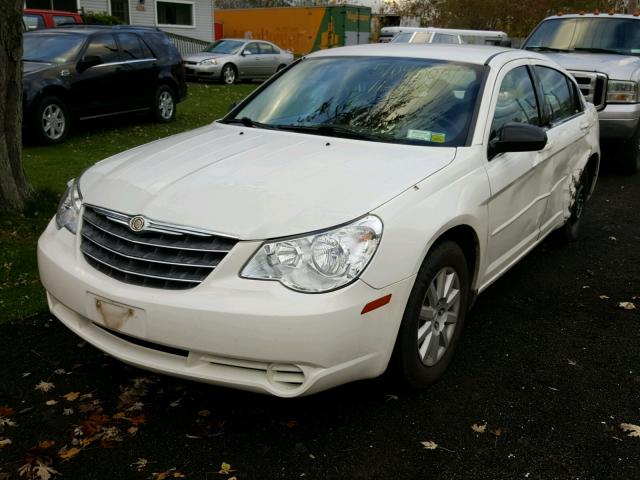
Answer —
619 122
248 334
203 71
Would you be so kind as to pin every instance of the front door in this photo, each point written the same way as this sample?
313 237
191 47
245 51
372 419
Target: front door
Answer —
518 180
249 61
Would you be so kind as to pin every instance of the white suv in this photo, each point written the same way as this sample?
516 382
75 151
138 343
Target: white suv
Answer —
341 217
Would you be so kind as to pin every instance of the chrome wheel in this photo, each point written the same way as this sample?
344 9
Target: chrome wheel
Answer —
229 75
54 121
438 316
165 105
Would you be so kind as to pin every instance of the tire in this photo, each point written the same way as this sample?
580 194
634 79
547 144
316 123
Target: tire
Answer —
228 74
164 107
570 232
280 67
422 363
51 120
629 156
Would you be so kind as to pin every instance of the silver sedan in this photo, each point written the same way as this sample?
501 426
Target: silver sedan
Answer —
231 59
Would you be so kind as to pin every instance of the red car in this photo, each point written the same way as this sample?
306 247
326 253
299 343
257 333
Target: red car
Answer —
37 19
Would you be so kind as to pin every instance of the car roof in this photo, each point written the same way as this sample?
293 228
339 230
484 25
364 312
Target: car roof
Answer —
474 54
594 15
48 12
245 40
90 29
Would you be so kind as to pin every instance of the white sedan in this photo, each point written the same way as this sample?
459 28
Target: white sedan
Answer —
340 220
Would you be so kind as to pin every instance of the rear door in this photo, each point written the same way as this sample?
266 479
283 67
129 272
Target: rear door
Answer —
139 72
518 180
98 90
567 126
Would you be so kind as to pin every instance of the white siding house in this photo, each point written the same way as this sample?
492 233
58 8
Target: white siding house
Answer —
189 18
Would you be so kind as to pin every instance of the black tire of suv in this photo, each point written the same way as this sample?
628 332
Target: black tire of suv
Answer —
50 103
160 113
405 360
629 156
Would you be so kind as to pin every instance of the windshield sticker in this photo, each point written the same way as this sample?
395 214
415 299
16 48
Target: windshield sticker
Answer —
426 135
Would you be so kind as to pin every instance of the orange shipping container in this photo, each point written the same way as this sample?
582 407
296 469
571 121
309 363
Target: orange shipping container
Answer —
299 29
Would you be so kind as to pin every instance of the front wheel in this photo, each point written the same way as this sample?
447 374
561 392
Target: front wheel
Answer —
51 120
228 75
571 229
434 317
164 109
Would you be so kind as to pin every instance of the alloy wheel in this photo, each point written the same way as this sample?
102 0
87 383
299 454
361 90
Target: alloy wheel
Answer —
53 121
165 105
229 75
438 316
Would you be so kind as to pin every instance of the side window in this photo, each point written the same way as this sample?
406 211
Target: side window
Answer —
559 95
253 48
131 46
421 37
63 20
33 22
445 38
103 46
265 48
516 101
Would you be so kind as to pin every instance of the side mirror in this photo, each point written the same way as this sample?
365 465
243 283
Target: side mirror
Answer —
246 52
518 137
89 61
233 105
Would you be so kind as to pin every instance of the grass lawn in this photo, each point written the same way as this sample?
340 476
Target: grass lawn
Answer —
49 168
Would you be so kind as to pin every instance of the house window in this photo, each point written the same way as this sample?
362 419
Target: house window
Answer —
120 9
64 5
173 13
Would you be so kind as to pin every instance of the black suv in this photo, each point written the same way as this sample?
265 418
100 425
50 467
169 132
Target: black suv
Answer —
77 73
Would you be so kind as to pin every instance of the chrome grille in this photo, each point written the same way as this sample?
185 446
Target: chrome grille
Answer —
593 86
161 256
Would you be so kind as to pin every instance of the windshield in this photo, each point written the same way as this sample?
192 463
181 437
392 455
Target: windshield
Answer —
398 100
225 46
598 35
52 48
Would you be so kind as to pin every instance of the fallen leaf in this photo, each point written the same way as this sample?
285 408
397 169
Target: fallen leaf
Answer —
51 402
67 411
135 421
45 386
60 371
634 430
41 471
392 397
46 444
4 442
225 469
204 413
497 432
627 305
573 363
140 464
132 430
613 238
479 428
429 445
6 411
71 396
291 423
68 454
604 297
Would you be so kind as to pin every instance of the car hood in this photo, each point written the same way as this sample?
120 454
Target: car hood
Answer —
33 67
619 67
198 57
257 184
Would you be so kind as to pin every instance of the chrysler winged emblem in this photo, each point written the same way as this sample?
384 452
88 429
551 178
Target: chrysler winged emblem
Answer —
137 223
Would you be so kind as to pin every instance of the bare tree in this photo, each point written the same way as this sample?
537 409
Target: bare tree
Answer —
14 189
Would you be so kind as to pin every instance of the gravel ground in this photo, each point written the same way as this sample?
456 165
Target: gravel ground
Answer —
549 363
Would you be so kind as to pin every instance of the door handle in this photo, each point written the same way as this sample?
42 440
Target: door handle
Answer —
584 125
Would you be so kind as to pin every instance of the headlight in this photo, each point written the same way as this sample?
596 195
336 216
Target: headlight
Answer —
69 207
619 91
318 262
210 61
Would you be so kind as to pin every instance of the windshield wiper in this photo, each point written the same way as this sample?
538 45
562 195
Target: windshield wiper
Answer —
597 50
247 122
546 49
34 61
331 131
